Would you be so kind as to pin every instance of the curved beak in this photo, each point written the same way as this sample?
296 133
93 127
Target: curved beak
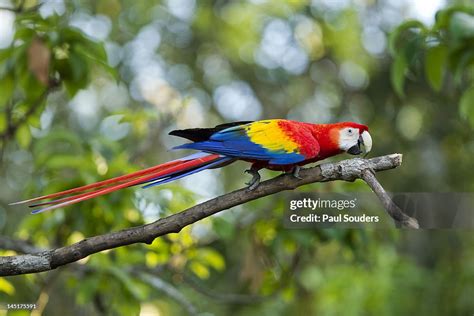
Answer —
365 140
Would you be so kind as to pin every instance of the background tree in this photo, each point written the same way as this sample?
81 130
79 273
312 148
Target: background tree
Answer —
89 89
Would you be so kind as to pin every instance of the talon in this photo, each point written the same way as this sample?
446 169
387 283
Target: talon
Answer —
296 172
255 181
370 169
253 186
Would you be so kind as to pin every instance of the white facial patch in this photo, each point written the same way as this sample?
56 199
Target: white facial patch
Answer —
348 137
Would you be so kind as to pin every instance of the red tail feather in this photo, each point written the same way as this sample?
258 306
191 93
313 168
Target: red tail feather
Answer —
103 183
114 184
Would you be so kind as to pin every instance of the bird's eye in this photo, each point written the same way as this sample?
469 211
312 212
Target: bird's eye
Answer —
349 131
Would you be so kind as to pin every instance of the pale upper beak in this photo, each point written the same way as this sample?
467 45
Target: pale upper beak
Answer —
365 140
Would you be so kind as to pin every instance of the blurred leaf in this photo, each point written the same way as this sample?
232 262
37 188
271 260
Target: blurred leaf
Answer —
311 278
31 87
413 48
462 25
25 33
23 136
398 70
397 35
97 53
200 270
79 67
93 50
435 65
288 293
76 73
153 259
7 88
16 64
34 120
87 289
3 123
89 49
6 287
73 35
443 17
111 8
212 258
459 62
5 54
58 142
466 105
71 87
63 161
130 285
405 44
223 228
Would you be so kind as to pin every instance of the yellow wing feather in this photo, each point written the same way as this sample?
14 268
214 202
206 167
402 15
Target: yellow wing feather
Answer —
269 135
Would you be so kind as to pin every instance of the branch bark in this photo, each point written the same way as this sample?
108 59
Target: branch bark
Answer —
392 209
347 170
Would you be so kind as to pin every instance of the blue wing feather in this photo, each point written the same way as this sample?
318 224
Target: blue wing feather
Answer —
179 175
234 142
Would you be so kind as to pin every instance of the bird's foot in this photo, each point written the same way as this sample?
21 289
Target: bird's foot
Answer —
371 170
296 172
255 181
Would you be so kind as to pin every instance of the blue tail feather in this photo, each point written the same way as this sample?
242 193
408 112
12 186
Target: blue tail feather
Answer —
179 175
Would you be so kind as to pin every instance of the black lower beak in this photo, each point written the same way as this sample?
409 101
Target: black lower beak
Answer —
354 150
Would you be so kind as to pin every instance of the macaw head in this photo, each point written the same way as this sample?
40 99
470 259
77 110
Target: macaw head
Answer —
354 138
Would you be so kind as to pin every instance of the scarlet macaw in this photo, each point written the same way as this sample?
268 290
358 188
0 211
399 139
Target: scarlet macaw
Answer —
276 144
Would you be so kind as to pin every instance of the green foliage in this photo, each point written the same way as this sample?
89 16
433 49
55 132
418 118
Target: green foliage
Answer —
7 84
6 287
466 105
435 65
89 121
46 53
448 46
23 136
399 68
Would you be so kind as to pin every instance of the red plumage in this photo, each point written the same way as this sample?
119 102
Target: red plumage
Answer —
274 144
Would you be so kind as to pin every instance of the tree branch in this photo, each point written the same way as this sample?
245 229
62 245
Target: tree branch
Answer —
348 170
392 209
18 245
